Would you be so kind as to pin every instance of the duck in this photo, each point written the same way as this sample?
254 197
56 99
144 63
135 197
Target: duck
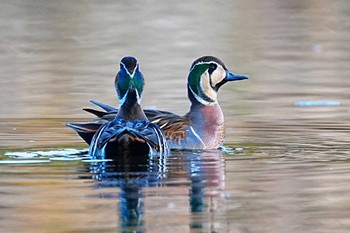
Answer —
129 135
201 128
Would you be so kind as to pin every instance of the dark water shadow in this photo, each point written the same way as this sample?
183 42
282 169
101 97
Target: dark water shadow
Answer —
130 178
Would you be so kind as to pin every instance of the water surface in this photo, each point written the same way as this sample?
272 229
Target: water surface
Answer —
285 168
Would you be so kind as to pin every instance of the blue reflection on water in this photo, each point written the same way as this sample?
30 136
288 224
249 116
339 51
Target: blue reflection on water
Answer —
130 178
317 103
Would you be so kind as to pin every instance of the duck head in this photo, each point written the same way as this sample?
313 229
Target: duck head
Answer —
129 82
206 76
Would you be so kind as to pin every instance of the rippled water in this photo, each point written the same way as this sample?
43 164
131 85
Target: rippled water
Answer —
286 162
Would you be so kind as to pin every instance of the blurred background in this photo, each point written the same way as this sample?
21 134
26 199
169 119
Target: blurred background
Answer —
55 56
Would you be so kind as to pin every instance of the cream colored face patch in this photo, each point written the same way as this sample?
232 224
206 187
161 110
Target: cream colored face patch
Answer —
211 74
206 86
218 75
209 81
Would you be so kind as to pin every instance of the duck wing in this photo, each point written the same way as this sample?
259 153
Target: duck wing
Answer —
175 127
109 116
105 107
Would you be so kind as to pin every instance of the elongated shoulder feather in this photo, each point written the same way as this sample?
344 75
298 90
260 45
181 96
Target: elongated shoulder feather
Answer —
174 126
109 116
105 107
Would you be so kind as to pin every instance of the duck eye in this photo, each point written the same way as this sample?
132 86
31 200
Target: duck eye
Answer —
211 68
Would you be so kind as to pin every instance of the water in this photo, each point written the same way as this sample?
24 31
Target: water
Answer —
285 168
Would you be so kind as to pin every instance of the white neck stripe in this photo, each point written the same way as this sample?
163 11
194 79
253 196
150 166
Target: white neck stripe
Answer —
121 101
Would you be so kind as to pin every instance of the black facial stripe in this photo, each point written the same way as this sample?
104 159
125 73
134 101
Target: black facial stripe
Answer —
205 97
212 67
216 88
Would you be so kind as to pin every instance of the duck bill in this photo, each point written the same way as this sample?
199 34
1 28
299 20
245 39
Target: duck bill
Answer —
230 77
234 77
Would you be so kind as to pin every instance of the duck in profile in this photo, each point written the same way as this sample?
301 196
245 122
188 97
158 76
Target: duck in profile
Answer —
129 134
202 127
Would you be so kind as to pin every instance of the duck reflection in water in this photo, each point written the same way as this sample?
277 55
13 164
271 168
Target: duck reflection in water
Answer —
205 171
130 178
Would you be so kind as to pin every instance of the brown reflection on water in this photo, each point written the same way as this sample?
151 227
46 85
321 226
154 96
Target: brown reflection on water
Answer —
36 133
57 56
67 197
50 199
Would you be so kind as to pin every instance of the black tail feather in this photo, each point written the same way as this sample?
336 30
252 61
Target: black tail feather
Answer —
105 107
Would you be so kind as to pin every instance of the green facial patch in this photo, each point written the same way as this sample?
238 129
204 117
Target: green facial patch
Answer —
195 76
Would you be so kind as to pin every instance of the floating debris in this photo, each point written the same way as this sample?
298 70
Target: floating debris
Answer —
239 149
24 155
23 161
96 160
317 103
227 150
66 153
67 158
